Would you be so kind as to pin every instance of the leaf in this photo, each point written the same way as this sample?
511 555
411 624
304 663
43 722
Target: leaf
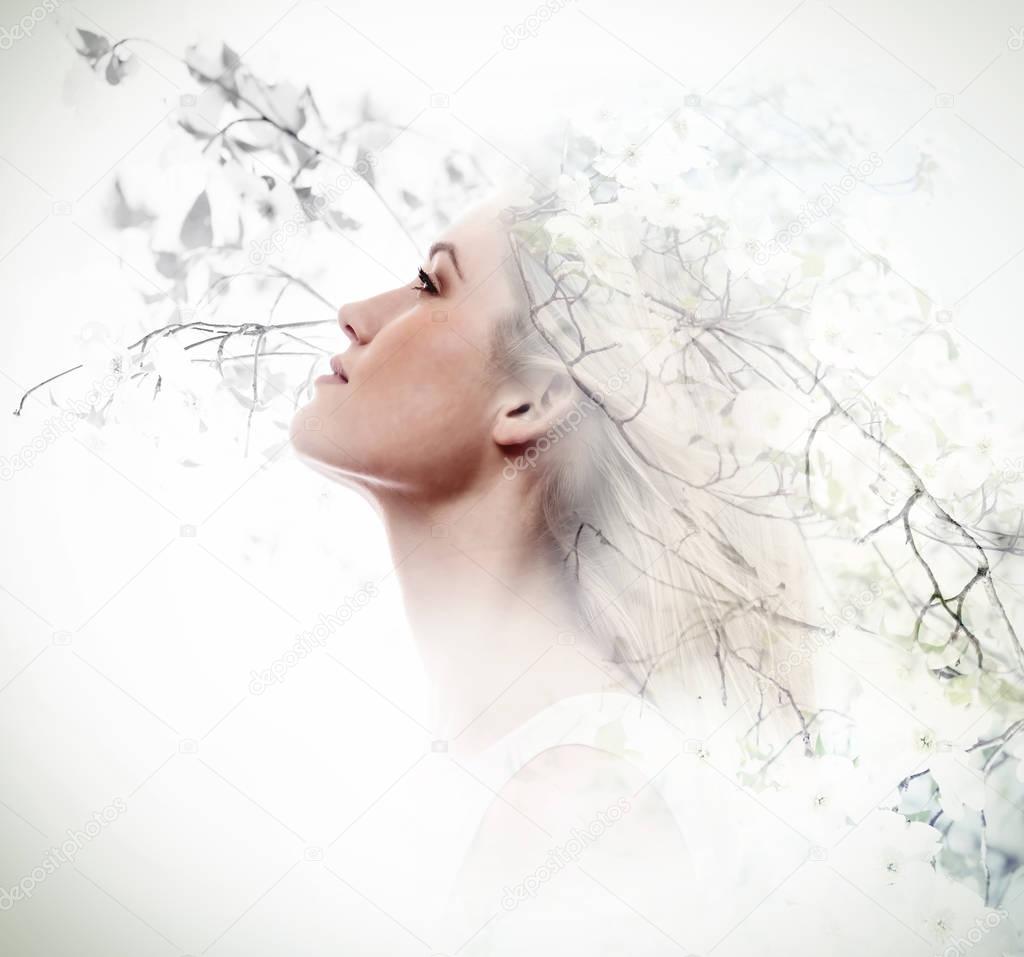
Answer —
95 45
364 165
924 303
230 59
278 101
126 216
168 265
197 229
411 200
116 70
455 175
306 202
342 221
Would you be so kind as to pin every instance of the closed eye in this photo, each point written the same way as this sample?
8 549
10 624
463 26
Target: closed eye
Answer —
427 284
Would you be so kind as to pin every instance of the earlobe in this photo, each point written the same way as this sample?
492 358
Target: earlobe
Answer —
514 426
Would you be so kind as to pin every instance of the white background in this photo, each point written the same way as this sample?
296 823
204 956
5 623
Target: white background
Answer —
127 641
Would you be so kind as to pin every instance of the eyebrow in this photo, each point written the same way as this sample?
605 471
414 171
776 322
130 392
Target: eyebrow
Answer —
445 248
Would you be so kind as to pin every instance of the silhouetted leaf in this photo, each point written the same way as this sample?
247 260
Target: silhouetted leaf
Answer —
307 202
168 265
454 173
342 221
95 45
197 229
364 165
115 71
231 59
126 215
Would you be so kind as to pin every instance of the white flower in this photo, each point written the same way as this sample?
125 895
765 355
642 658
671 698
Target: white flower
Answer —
817 795
635 156
613 270
878 853
671 206
765 418
945 911
958 784
599 125
613 226
956 473
574 192
106 364
1015 747
694 128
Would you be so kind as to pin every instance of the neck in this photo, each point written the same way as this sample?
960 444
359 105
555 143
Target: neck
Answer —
492 612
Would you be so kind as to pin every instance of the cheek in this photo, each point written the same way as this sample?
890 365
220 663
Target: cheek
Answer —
419 416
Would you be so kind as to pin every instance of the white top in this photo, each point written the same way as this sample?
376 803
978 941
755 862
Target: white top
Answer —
765 886
701 799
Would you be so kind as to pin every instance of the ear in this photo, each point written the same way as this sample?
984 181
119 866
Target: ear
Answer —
530 409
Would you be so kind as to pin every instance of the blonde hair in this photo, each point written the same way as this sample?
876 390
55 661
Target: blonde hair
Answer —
697 599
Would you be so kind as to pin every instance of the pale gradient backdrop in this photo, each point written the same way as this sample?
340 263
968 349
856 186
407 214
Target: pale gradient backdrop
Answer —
136 596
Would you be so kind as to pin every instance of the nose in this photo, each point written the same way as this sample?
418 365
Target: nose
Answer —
363 319
347 318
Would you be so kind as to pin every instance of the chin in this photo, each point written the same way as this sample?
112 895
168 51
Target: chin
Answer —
311 443
300 434
314 447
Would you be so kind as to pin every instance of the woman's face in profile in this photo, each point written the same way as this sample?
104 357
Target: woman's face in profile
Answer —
411 403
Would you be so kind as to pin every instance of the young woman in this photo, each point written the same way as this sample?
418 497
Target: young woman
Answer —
589 616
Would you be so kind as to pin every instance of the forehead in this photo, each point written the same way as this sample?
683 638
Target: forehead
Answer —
481 246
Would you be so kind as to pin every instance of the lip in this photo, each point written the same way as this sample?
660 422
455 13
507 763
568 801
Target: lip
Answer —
338 369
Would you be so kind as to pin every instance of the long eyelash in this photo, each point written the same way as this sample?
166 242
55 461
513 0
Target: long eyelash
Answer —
426 283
